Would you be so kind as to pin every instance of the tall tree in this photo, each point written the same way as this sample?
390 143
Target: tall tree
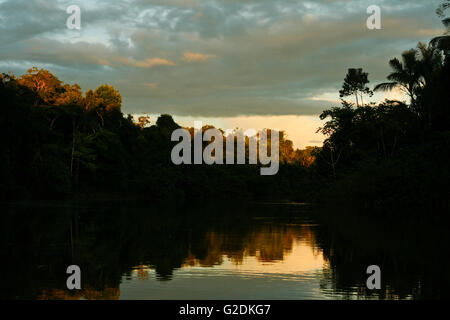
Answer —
430 62
355 83
405 75
43 83
443 42
111 97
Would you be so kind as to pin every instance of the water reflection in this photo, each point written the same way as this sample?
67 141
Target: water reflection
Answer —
162 252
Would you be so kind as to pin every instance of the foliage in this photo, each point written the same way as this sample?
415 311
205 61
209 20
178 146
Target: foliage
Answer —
378 158
356 82
59 143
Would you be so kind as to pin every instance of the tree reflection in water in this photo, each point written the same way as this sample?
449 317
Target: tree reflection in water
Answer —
113 243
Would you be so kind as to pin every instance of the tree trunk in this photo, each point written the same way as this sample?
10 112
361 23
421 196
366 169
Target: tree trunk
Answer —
73 148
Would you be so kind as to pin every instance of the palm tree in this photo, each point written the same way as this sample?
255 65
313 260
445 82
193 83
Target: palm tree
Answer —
406 75
431 61
417 70
443 42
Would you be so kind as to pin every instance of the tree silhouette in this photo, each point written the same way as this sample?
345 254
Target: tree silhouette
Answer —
430 62
405 75
355 82
443 42
414 72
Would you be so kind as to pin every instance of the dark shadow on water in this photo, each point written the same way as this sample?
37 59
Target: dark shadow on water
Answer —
110 241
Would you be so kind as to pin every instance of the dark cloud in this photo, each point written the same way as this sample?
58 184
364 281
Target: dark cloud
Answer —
212 57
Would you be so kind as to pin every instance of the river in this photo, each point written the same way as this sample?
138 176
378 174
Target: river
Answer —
214 251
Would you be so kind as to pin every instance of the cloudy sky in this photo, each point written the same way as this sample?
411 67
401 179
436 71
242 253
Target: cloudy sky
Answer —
245 63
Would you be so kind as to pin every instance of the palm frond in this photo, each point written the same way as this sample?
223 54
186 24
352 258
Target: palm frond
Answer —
396 65
399 77
446 22
387 86
442 8
410 59
441 42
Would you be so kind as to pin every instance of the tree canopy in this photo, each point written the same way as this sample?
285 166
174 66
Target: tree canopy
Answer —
355 83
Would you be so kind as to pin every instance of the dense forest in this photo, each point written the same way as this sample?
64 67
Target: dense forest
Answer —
60 143
392 155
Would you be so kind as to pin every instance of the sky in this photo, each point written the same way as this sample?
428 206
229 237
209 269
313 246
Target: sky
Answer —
230 63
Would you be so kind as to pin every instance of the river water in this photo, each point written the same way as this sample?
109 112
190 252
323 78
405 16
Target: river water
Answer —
167 251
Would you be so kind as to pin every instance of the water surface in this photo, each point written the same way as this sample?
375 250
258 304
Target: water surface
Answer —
257 251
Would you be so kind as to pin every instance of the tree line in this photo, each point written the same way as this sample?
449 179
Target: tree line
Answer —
58 142
393 154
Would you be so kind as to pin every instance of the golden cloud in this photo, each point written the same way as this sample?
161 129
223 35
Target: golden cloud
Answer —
197 57
151 85
148 63
154 62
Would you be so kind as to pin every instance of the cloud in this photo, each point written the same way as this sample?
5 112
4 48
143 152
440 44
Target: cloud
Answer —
151 85
147 63
196 57
264 57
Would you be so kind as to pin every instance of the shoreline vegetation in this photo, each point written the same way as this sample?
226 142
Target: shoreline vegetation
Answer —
59 143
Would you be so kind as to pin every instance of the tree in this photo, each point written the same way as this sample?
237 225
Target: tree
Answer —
405 75
416 71
443 42
110 96
286 148
355 82
143 121
43 83
429 64
166 124
306 156
69 95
